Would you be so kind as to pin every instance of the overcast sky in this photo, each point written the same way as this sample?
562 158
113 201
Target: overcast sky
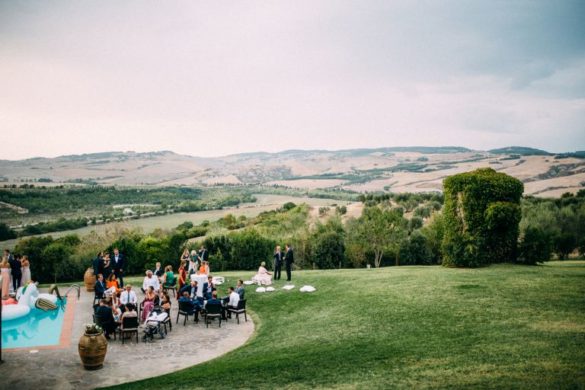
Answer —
220 77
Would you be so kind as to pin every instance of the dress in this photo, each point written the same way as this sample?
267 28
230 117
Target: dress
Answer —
6 278
147 307
25 274
263 278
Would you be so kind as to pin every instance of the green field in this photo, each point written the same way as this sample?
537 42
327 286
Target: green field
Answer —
504 326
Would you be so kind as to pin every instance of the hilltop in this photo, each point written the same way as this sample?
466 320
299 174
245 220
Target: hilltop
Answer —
396 169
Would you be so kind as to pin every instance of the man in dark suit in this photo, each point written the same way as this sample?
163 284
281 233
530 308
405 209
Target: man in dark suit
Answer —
190 289
100 286
104 317
288 260
118 266
98 264
278 256
16 269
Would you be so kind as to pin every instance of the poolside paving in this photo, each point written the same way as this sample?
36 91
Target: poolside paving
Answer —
61 368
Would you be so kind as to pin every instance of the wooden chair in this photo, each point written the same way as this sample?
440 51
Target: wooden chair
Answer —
213 311
241 309
129 326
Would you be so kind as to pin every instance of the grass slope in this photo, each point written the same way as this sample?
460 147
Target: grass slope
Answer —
411 327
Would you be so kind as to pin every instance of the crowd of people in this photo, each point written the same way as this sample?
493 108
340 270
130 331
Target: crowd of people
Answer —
15 271
117 301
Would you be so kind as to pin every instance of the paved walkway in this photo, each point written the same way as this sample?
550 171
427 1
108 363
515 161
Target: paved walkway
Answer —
61 368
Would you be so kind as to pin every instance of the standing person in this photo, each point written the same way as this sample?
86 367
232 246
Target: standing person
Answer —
107 266
119 266
288 260
278 255
204 260
5 268
25 271
15 268
98 264
182 274
185 256
193 262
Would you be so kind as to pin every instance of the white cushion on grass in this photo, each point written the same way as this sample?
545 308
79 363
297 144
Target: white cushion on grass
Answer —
288 287
308 289
270 289
261 289
248 282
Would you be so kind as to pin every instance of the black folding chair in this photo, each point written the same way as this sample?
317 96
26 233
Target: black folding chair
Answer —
241 309
129 326
213 311
187 309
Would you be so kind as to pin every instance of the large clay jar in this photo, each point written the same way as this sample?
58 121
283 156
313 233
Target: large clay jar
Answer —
89 279
92 350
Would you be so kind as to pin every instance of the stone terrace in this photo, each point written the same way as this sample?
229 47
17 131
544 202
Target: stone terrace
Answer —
61 368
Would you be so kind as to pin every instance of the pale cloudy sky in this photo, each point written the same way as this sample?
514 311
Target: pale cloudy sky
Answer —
219 77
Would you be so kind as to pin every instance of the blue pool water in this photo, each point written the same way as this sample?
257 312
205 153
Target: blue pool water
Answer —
39 328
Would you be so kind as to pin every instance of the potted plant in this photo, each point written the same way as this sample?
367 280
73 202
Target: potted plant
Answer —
93 347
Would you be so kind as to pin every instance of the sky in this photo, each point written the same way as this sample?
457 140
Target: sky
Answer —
215 78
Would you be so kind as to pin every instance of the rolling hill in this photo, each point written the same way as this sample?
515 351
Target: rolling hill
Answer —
396 169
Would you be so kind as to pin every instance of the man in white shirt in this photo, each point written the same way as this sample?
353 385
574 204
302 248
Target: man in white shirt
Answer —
150 280
234 298
128 296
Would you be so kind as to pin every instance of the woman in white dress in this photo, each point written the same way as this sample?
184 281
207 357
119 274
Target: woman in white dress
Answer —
25 271
263 277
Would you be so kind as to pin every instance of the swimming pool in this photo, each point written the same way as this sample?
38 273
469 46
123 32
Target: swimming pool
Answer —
39 328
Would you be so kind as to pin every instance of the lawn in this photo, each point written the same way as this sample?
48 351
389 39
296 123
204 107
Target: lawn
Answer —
504 326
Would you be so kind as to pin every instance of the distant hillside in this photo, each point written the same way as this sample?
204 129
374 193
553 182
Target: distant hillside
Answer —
395 169
521 151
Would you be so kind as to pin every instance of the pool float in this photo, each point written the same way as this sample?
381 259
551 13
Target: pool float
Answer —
27 298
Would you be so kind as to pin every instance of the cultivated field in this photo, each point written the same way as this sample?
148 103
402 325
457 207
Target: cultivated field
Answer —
264 202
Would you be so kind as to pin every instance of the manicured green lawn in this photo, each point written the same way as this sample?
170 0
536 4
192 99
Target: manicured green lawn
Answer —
504 326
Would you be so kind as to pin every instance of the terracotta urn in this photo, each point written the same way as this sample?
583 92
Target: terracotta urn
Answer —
92 350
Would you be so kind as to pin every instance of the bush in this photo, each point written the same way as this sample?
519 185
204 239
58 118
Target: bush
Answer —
535 247
6 233
328 245
481 214
415 250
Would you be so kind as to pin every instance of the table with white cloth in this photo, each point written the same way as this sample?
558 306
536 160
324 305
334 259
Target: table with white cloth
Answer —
200 279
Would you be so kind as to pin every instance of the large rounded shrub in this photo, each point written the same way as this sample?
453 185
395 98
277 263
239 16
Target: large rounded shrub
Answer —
482 212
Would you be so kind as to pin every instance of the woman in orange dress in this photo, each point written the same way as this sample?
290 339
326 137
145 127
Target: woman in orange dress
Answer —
113 285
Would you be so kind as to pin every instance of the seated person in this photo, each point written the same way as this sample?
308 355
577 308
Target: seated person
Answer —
112 285
129 311
240 288
100 287
150 300
189 305
165 301
234 299
128 296
213 300
191 290
169 279
208 287
158 271
263 277
105 318
150 281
